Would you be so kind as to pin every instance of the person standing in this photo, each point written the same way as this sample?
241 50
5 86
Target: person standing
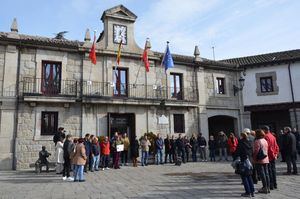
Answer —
59 154
261 163
180 147
297 135
281 139
115 144
289 145
79 160
212 145
88 149
173 148
145 144
95 154
159 145
167 142
194 145
273 150
67 149
59 134
134 150
244 151
105 152
202 147
187 147
222 144
232 144
124 154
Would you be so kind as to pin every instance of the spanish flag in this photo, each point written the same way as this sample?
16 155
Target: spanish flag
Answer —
119 53
92 54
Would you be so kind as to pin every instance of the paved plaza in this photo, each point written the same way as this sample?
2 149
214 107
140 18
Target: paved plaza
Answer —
192 180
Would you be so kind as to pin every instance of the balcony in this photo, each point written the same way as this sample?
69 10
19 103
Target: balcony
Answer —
102 90
38 89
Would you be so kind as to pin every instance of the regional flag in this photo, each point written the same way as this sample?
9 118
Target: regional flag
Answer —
92 54
119 53
145 57
167 61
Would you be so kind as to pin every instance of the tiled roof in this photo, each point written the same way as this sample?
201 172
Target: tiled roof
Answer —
42 40
190 59
263 59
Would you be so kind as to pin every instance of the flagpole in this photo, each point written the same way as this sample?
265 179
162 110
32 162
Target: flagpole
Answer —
167 88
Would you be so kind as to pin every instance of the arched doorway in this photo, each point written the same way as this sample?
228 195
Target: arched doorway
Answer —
222 123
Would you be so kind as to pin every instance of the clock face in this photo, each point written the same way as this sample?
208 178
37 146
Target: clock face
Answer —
120 33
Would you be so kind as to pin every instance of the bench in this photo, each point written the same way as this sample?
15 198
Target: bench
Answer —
38 166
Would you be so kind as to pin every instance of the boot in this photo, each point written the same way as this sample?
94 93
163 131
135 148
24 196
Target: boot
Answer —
263 190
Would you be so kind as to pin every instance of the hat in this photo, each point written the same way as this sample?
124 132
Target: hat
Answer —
246 130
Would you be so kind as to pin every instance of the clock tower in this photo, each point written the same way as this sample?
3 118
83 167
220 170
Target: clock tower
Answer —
119 27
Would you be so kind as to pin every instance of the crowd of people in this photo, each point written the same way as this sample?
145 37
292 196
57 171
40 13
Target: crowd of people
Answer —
255 151
256 154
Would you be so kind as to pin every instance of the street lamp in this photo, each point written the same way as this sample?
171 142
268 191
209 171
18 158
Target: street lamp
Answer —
236 89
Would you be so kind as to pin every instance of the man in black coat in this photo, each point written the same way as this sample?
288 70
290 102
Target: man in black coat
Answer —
68 147
168 146
180 148
289 144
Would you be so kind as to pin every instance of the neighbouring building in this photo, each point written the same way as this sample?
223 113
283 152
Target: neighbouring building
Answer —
271 94
50 82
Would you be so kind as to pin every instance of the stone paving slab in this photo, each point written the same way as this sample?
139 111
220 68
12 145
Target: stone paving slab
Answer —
192 180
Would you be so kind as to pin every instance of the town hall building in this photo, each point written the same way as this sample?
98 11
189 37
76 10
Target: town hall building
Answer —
46 83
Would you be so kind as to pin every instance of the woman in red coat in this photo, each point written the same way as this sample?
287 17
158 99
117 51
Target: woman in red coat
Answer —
232 143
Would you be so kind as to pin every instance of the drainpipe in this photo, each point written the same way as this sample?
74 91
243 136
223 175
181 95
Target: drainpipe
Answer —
293 97
197 95
15 133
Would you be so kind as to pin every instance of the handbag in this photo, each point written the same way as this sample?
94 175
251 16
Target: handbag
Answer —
261 154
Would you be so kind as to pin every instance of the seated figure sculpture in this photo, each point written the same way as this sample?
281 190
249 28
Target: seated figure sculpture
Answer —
42 161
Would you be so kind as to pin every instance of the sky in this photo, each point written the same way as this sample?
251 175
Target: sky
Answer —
235 28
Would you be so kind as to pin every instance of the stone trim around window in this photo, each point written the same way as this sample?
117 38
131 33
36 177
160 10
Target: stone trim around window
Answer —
274 81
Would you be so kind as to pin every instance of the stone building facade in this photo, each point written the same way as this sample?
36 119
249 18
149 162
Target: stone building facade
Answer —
48 82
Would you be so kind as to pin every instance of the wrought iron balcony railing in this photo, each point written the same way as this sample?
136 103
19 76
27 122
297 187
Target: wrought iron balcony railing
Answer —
43 87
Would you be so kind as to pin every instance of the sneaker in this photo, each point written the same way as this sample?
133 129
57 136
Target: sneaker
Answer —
64 178
107 168
81 180
102 169
263 190
70 179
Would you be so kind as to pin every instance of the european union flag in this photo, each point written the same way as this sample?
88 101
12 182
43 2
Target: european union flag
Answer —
167 59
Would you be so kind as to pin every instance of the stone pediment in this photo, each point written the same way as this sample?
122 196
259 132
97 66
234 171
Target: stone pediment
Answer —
120 12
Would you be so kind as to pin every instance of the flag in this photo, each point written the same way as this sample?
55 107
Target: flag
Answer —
119 53
92 55
167 61
145 57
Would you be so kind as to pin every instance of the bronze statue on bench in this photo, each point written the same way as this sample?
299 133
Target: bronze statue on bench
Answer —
42 161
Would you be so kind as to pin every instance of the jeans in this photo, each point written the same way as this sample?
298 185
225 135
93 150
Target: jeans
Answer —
170 157
159 156
78 174
272 174
212 154
96 162
291 160
202 151
86 163
194 154
223 152
117 157
145 158
105 160
124 157
262 170
248 184
67 167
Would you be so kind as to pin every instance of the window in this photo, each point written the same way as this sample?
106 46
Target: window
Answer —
220 85
51 77
49 123
178 123
176 86
266 84
120 81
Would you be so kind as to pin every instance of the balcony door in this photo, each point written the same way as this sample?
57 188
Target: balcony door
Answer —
51 78
120 82
176 86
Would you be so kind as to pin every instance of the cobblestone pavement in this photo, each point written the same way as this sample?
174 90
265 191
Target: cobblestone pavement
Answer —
192 180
